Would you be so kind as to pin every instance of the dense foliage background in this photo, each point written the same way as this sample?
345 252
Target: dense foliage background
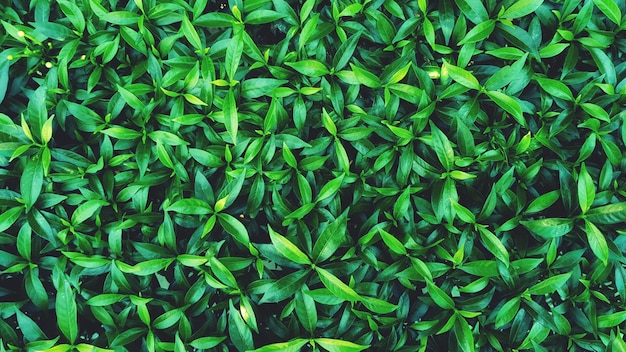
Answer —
386 175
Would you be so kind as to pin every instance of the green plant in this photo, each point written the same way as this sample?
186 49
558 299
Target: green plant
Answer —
277 175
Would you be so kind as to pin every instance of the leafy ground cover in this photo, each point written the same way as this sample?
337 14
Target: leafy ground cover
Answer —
282 175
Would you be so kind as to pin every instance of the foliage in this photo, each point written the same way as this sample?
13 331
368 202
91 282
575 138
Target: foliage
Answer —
279 175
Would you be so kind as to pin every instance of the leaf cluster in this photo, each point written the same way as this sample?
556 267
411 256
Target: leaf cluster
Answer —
274 175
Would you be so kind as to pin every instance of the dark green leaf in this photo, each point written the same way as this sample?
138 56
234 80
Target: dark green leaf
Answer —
31 182
67 316
474 10
549 227
597 242
290 346
441 298
330 239
311 68
521 8
287 249
610 9
336 286
461 75
509 105
334 345
549 285
284 287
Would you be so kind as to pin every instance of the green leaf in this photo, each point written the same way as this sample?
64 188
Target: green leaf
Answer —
285 287
400 132
147 267
596 111
65 308
46 130
130 98
543 202
392 243
31 182
521 8
441 298
306 311
214 20
509 105
105 299
610 9
407 28
166 138
35 289
74 14
287 249
192 99
611 320
464 335
555 88
463 213
87 210
167 319
330 188
493 244
222 273
507 312
549 285
549 227
234 51
603 215
462 76
328 123
294 345
442 147
258 87
586 189
399 74
474 10
345 52
235 228
333 345
207 342
290 159
238 332
24 242
191 206
330 239
231 116
605 64
123 133
122 18
365 77
9 217
597 242
30 329
336 286
307 31
311 68
378 306
190 33
480 32
4 79
263 16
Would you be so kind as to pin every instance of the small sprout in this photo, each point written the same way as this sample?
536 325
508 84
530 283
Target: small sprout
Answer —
48 65
83 57
9 57
21 34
